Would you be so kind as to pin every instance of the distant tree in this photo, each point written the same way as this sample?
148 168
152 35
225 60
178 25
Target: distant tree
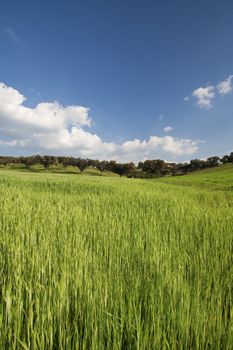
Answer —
155 166
4 161
197 164
166 170
119 169
139 174
28 162
182 169
92 162
67 161
15 160
213 161
55 160
101 166
147 169
231 157
225 159
37 159
129 169
46 161
82 164
23 161
172 169
110 166
145 166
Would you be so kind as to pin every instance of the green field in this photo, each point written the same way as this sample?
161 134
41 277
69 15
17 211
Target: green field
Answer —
220 178
90 262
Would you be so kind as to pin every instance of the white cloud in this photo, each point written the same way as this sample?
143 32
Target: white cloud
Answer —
45 116
167 129
161 117
54 129
225 86
204 96
10 96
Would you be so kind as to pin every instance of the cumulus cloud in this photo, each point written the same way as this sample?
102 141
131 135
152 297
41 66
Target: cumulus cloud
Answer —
204 96
225 86
167 129
51 128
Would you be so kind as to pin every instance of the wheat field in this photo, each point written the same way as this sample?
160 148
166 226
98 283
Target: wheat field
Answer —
108 263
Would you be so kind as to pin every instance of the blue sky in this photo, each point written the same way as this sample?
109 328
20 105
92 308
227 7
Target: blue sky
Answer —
150 77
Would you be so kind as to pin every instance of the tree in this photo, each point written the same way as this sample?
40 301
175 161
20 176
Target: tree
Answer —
82 164
69 161
46 161
23 161
197 164
155 166
173 169
54 160
129 169
65 161
101 166
5 160
119 169
231 157
225 159
110 166
183 168
92 162
29 162
213 161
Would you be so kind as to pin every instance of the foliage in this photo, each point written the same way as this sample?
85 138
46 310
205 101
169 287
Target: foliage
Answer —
147 169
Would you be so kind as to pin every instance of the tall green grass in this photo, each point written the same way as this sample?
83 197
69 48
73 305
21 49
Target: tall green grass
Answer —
108 263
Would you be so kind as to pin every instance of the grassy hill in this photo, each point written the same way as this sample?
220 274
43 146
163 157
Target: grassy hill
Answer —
58 169
220 178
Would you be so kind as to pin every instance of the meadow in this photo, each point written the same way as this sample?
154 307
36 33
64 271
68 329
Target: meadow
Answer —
92 263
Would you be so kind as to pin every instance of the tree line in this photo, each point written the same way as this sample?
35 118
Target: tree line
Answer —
147 169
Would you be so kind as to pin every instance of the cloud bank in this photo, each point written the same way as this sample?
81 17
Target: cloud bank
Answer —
51 128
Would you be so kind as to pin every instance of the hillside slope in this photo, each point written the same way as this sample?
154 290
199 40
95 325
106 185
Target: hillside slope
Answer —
220 178
54 169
